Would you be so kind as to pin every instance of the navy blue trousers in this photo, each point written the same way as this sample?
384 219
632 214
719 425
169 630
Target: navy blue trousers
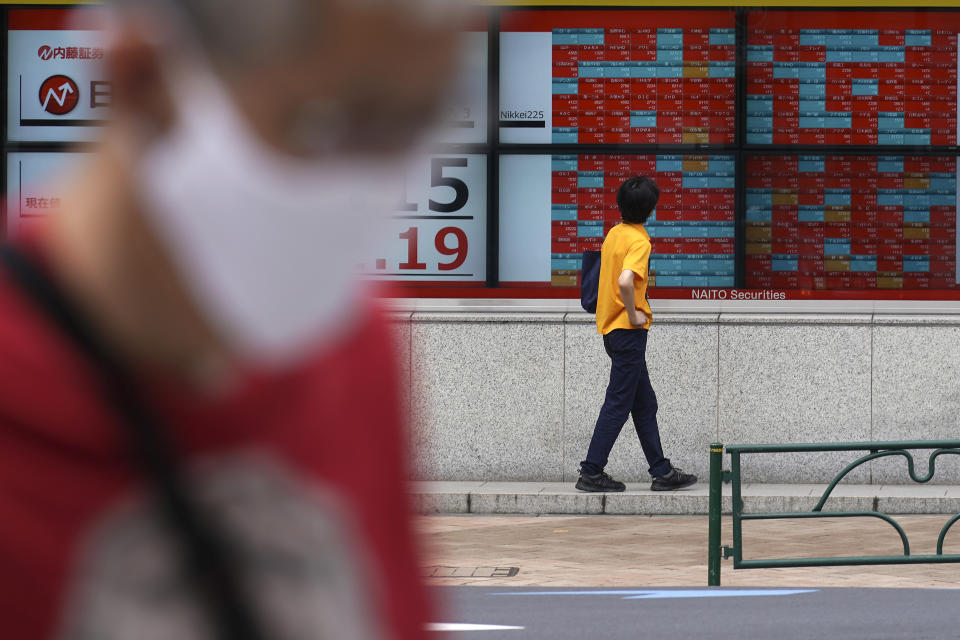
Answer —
628 393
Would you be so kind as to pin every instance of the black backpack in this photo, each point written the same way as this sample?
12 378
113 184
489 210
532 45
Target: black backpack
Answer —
590 281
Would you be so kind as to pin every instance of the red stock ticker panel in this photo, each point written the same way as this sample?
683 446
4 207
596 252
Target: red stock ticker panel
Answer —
625 77
692 230
851 222
861 77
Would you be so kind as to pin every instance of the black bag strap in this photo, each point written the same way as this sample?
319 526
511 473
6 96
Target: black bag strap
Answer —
204 549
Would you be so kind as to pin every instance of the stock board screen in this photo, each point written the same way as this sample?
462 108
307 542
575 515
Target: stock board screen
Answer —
862 78
618 77
571 200
748 140
851 222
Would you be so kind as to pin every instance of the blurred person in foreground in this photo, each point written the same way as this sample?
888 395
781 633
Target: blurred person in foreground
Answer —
209 243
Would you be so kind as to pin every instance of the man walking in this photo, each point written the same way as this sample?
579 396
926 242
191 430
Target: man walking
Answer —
624 318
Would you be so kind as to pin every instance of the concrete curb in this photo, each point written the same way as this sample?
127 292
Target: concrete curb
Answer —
538 498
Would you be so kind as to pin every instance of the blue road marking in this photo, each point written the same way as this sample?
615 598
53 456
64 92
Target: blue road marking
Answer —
650 594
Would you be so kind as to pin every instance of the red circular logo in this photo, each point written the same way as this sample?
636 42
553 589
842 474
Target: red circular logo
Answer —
59 95
45 52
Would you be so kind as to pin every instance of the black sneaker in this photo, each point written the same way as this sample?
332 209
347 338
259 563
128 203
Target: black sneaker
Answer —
676 479
600 482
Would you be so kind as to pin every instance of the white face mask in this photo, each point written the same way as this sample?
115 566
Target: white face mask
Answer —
267 245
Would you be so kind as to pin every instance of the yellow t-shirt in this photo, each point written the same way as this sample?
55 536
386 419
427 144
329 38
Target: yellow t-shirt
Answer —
627 246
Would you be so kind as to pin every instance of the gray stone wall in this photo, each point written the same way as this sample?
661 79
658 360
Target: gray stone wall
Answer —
514 396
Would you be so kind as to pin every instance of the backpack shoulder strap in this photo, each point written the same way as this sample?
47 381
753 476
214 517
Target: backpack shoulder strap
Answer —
204 550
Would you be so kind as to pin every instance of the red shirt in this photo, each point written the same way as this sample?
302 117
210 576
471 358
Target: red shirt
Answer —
305 469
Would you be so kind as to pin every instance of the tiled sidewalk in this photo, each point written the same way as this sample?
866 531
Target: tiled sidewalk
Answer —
669 551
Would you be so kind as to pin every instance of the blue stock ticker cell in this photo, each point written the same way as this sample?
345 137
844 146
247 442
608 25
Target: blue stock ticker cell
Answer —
692 229
851 222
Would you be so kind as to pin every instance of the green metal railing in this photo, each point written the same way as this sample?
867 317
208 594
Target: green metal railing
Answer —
875 450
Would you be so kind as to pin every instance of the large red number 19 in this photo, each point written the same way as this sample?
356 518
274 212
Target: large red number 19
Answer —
459 250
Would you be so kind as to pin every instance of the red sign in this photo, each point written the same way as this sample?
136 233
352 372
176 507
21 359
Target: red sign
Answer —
59 95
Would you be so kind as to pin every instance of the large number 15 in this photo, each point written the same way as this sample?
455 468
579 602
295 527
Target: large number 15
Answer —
461 195
437 179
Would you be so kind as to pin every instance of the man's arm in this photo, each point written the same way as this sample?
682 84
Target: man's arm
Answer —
627 294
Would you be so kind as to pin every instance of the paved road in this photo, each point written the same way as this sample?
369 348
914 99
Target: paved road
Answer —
692 614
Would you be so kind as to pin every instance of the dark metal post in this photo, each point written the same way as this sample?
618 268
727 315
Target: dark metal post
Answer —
736 508
716 484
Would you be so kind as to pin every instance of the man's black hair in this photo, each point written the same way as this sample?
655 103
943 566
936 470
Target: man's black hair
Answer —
637 198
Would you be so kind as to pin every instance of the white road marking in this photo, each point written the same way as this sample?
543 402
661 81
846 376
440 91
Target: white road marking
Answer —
668 593
458 626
